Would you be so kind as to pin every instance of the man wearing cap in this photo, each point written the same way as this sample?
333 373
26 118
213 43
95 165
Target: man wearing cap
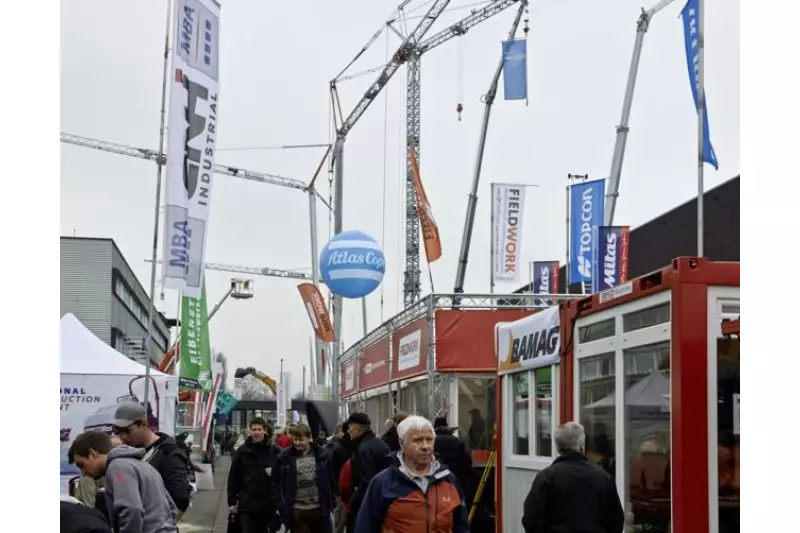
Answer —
161 452
368 459
455 454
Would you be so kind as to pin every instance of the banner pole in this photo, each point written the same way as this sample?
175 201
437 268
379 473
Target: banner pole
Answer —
160 161
566 272
701 105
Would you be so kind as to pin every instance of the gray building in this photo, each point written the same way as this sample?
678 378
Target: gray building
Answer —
100 289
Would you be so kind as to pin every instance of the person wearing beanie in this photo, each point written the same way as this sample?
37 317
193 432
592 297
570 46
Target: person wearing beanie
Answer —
368 459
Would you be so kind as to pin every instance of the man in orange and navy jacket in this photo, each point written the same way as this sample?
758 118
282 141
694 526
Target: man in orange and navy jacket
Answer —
416 494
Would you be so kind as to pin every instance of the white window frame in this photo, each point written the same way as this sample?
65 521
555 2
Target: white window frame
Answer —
529 461
717 297
617 345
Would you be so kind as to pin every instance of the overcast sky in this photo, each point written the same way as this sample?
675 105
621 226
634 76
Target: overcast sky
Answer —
277 60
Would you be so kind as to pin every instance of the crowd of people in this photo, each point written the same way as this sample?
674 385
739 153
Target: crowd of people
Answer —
416 477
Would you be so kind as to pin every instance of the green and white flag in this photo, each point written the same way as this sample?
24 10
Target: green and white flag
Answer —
195 351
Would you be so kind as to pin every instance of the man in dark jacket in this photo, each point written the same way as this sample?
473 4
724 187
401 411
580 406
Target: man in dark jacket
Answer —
250 491
454 453
304 481
78 518
369 458
161 451
390 437
572 494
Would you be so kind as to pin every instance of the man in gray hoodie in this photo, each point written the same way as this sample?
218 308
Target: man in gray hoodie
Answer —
137 499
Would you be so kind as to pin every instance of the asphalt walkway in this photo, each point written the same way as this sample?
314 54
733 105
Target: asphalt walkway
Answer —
209 510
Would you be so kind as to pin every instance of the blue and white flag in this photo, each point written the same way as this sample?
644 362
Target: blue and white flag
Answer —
611 252
587 209
691 39
515 69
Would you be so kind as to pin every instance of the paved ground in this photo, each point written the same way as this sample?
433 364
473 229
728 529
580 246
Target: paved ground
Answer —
209 510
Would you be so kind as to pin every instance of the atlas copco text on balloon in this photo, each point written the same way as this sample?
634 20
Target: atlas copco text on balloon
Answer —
349 258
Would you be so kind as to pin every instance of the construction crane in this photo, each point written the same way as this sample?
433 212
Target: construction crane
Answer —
410 53
260 376
254 271
152 155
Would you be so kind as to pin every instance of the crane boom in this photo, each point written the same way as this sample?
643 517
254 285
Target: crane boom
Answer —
464 25
255 271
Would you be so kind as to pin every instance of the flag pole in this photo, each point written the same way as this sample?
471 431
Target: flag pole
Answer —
701 109
160 166
491 242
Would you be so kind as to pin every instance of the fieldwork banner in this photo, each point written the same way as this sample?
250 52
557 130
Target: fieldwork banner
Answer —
317 312
508 207
465 338
410 350
195 347
88 402
586 212
430 231
191 142
530 342
544 277
611 251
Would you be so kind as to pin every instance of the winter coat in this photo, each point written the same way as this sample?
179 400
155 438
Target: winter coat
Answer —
572 494
369 458
346 484
454 452
285 483
249 485
392 439
394 503
78 518
138 502
173 465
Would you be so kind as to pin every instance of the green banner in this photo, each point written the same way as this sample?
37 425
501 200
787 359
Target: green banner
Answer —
195 351
225 402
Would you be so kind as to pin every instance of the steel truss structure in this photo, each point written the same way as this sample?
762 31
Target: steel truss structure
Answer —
438 382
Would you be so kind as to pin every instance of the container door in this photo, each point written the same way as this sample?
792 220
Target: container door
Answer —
723 413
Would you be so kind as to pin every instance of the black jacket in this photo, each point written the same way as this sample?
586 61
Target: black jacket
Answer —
284 479
339 449
249 486
573 495
392 439
369 459
454 453
172 463
77 518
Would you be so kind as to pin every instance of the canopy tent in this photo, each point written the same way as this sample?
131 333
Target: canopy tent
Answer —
83 353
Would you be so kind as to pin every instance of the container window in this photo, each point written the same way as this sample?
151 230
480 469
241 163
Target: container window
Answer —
596 394
599 330
646 318
520 410
543 379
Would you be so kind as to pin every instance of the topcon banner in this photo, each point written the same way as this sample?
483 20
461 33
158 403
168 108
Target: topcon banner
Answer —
508 207
586 212
191 142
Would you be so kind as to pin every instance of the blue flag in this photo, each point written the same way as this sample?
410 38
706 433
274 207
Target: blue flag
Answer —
611 251
587 208
515 69
691 40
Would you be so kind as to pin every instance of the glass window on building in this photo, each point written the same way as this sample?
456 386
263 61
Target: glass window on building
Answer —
520 397
596 393
543 411
647 435
476 411
728 395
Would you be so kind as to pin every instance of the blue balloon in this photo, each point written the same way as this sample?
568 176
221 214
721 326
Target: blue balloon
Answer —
352 264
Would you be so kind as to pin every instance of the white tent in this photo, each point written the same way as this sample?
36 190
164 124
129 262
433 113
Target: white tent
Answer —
95 378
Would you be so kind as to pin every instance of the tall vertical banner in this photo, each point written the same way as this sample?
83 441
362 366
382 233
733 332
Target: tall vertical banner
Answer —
284 401
612 247
586 212
191 143
544 277
508 208
430 231
515 69
195 346
691 39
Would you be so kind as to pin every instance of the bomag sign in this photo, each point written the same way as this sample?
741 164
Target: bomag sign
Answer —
531 342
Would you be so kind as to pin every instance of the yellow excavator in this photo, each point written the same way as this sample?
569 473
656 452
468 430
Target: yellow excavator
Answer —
263 378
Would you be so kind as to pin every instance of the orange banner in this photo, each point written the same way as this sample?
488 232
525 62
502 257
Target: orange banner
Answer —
317 312
430 232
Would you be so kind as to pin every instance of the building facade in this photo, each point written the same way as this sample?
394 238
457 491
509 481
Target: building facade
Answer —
100 289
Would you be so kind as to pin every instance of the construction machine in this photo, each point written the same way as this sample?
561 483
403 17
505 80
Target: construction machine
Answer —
263 378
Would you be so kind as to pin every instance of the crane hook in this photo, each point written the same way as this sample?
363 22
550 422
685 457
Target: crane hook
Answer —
459 110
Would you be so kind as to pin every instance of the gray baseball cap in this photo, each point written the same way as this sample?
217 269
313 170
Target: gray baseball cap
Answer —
128 413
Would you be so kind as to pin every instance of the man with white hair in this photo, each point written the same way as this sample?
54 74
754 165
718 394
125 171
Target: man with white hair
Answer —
416 493
572 494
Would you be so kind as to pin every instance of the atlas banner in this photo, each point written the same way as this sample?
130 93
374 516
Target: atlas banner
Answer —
531 342
317 312
348 383
465 338
611 252
284 400
410 350
508 206
586 212
427 223
89 402
544 277
195 347
191 143
374 367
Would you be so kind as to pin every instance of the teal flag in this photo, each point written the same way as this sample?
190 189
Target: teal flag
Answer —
225 402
